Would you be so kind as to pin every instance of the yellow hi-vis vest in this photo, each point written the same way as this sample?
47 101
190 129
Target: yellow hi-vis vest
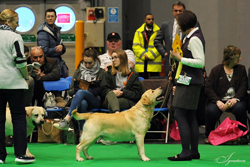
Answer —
154 62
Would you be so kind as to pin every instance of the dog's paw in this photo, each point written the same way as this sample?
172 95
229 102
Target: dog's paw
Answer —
89 157
80 159
144 158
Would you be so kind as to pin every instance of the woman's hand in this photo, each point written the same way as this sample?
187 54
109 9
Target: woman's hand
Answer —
175 56
59 48
27 81
221 105
118 93
174 88
231 102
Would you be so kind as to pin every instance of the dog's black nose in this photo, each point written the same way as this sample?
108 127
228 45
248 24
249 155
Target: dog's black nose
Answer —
41 122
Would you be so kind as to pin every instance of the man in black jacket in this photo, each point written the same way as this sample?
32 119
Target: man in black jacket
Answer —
48 71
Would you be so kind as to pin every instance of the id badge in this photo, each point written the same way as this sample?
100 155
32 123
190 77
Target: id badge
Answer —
185 80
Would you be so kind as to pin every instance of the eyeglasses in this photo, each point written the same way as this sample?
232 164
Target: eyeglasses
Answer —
113 40
115 57
150 19
36 57
178 11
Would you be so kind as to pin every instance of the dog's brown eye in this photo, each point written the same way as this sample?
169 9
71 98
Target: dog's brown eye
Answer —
36 115
152 91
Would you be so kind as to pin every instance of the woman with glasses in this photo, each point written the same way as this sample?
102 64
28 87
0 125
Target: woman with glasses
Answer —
88 71
226 89
14 79
121 87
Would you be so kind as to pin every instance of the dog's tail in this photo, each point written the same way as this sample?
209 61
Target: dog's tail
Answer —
80 116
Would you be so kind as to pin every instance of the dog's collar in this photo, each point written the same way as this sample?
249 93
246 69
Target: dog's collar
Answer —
142 114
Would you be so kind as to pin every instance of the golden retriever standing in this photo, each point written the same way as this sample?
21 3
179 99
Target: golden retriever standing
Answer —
124 126
35 116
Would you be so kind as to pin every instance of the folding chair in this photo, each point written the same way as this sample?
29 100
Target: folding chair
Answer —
153 84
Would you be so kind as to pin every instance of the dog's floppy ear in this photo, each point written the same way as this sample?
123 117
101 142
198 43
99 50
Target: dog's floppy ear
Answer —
44 111
145 100
29 111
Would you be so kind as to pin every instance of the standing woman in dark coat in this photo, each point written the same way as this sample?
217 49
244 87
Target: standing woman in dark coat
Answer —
189 86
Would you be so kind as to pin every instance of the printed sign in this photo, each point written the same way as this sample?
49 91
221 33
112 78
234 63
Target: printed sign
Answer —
63 18
113 15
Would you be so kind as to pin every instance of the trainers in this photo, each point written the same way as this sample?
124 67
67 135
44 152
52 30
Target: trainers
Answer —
62 125
24 159
1 161
107 142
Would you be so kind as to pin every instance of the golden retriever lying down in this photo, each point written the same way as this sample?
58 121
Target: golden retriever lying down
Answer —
128 125
35 116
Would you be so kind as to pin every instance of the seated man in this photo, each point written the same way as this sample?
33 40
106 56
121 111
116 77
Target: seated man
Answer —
114 43
48 71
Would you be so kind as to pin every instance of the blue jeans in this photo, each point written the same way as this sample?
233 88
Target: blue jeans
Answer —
15 98
84 101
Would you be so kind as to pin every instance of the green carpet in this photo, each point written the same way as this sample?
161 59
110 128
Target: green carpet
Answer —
125 155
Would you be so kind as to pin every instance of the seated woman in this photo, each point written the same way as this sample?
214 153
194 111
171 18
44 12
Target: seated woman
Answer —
84 100
226 88
120 86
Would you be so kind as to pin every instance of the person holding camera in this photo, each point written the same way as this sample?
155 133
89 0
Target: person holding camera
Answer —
45 69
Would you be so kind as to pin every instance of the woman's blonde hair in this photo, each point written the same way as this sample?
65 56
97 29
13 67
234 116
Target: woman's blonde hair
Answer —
7 14
124 68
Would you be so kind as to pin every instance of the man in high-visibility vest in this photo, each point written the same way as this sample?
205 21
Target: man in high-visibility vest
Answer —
148 59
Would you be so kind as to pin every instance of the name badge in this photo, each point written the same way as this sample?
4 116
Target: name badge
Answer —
185 80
